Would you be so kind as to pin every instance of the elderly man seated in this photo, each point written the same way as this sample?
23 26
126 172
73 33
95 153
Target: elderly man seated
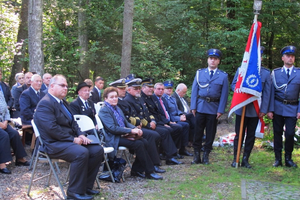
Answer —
30 98
63 140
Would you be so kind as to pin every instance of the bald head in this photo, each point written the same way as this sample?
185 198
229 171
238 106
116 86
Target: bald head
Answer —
181 89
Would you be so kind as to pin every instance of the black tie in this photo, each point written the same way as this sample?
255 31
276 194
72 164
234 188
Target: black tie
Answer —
288 73
211 73
38 94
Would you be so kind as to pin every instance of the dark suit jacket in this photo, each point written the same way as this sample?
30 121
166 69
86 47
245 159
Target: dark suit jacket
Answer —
28 103
161 110
178 101
95 96
78 108
7 95
112 128
44 87
57 130
17 93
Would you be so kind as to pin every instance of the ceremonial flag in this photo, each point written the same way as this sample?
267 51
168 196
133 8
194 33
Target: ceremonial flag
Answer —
248 86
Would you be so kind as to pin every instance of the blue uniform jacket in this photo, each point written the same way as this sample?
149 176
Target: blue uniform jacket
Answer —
287 89
265 97
216 87
173 108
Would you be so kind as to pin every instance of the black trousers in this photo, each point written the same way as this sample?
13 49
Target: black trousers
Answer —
176 133
167 142
85 162
209 123
153 138
250 123
191 120
143 162
290 123
10 138
185 133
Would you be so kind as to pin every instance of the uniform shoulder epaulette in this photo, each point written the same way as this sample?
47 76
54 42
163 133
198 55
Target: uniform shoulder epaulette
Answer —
201 69
263 68
19 86
279 68
222 71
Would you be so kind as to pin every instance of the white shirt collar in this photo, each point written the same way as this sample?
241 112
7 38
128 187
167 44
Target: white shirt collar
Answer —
285 69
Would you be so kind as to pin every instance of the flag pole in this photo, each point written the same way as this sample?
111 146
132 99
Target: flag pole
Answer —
240 137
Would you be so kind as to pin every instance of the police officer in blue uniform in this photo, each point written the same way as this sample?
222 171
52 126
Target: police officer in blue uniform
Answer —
208 102
251 117
284 105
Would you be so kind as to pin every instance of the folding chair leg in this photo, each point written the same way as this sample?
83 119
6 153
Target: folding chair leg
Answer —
32 174
127 159
108 167
34 154
57 179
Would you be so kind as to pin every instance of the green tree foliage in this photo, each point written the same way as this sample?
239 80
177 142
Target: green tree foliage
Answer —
170 38
8 35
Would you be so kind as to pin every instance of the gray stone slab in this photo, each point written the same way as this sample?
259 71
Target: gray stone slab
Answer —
252 189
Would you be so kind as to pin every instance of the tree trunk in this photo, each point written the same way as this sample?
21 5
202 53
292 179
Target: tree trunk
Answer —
83 41
19 63
127 37
35 34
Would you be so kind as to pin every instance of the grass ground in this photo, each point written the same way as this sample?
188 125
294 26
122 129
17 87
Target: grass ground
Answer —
215 181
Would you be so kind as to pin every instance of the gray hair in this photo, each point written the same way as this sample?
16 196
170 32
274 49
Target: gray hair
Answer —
54 78
180 86
18 74
34 76
157 84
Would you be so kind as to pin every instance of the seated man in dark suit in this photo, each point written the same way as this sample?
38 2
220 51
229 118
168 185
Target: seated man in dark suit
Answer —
30 98
96 92
63 140
183 106
19 77
82 105
46 80
18 91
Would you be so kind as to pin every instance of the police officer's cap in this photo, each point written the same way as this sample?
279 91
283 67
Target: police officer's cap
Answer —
148 82
291 50
135 82
168 84
81 85
262 48
214 53
129 78
118 83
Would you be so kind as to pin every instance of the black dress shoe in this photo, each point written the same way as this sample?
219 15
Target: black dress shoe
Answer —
139 174
277 163
173 161
178 156
153 176
26 163
159 170
162 156
185 153
290 163
5 171
71 195
92 192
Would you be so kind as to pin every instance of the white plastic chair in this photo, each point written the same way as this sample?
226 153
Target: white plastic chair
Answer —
43 157
120 148
98 106
85 123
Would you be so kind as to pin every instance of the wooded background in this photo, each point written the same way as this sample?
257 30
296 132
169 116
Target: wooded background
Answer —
84 38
